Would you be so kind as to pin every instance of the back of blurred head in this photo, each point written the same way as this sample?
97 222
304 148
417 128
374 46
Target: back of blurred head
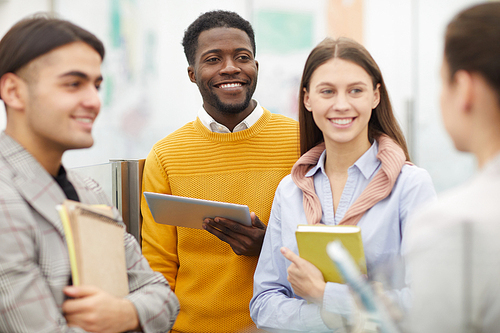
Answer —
472 43
470 96
33 37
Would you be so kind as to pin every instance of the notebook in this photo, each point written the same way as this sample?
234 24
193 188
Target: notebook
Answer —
312 241
95 246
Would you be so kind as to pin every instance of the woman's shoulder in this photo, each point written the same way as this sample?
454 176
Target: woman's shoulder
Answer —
287 190
411 172
414 185
286 184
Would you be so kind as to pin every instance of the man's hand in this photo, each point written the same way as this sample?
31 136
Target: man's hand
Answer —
243 240
94 310
307 281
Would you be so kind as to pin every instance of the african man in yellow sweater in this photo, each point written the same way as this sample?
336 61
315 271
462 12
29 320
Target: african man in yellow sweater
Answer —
235 151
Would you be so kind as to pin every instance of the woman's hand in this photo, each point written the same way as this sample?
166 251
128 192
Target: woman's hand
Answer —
307 281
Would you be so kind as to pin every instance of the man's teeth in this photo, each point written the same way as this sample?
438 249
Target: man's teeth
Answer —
343 121
230 85
84 120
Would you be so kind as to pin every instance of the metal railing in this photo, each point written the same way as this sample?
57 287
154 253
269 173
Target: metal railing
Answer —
121 180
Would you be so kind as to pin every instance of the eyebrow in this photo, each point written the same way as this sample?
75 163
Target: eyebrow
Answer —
358 83
80 75
350 84
219 50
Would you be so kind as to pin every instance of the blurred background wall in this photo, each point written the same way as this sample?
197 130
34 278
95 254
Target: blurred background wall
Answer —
146 93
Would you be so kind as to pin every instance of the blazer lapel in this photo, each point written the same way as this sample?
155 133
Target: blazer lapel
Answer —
87 188
32 181
43 194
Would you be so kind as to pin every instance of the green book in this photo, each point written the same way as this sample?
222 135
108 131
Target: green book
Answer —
313 239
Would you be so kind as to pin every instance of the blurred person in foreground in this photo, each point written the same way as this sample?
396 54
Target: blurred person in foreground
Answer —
235 151
454 244
50 73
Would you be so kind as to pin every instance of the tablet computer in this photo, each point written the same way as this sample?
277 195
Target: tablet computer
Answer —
189 212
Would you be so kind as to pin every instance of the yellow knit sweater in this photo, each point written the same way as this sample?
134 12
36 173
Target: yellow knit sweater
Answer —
213 284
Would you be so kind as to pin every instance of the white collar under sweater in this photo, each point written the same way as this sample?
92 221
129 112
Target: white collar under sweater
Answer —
216 127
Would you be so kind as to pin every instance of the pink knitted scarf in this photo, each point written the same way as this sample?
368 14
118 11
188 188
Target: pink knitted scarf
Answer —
389 153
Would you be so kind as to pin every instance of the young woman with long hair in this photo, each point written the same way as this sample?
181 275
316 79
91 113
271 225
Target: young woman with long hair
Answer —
355 169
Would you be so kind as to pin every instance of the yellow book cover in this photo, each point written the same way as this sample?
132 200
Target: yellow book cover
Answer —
313 239
96 247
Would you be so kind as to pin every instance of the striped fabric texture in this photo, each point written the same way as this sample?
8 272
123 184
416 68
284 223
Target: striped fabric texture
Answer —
214 285
390 155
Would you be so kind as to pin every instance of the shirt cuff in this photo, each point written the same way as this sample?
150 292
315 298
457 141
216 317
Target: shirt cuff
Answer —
310 317
337 299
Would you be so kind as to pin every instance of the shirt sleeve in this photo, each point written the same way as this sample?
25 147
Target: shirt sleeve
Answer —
159 242
274 307
416 189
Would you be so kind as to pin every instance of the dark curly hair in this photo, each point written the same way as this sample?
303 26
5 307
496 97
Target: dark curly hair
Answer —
210 20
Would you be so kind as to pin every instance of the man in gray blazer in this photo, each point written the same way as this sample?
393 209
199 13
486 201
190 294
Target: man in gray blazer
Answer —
49 81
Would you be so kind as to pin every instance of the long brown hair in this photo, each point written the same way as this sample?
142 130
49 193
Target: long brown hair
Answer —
472 43
382 120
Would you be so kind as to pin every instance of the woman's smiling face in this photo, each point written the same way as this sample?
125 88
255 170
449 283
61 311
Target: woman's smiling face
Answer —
341 98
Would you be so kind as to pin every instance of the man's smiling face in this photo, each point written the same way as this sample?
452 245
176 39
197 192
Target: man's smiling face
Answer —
62 99
225 70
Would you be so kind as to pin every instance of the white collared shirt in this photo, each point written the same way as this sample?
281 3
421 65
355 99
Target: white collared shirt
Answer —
216 127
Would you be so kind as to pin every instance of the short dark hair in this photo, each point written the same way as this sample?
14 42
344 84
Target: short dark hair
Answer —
37 35
472 43
382 120
210 20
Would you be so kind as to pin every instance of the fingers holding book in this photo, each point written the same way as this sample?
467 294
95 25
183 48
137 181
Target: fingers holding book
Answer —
306 279
95 310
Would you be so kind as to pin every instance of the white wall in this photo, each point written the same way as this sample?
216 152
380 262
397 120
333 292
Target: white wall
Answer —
150 94
435 151
147 94
12 11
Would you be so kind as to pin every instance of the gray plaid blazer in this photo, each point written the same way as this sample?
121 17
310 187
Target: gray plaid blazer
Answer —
34 264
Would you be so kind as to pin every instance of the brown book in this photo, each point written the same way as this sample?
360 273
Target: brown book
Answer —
96 247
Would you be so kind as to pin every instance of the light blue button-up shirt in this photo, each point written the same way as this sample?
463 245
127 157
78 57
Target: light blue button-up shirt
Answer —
274 305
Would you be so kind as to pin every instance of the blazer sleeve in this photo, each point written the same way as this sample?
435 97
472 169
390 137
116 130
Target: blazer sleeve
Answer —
159 242
156 304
